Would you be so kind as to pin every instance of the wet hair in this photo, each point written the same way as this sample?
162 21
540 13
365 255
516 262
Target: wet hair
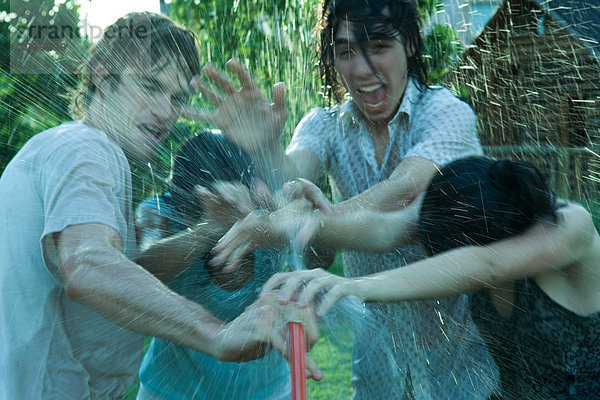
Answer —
478 200
139 40
204 159
370 22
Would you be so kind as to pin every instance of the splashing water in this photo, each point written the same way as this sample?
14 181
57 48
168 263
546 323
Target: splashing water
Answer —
533 81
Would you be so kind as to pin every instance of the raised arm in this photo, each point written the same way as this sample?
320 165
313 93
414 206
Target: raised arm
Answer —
316 224
410 178
360 229
276 229
168 256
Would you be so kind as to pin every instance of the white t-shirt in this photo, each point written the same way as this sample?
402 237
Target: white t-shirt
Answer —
50 346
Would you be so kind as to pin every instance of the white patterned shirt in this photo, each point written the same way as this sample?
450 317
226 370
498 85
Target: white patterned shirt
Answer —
432 346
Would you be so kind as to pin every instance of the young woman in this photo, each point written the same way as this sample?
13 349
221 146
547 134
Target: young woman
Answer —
532 262
170 371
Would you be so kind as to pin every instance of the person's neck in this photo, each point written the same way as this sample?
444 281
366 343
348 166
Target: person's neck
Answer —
378 128
93 116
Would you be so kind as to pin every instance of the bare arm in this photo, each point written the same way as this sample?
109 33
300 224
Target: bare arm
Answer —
277 229
357 229
543 248
410 178
165 255
171 255
321 228
97 274
367 231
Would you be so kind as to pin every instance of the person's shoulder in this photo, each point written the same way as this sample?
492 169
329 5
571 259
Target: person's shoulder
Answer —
73 146
319 121
76 137
575 215
324 113
442 96
71 131
72 135
439 103
571 231
66 139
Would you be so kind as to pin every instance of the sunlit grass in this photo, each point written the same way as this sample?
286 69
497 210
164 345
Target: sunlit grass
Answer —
333 355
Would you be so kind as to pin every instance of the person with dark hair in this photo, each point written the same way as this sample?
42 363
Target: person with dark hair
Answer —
501 199
73 304
493 228
170 371
389 134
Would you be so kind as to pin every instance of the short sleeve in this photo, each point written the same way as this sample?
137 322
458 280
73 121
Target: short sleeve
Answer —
155 219
313 133
85 183
447 132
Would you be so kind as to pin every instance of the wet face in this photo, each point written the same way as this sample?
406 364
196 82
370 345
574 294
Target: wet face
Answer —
376 89
140 111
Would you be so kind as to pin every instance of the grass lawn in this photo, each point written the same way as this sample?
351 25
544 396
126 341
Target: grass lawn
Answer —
333 354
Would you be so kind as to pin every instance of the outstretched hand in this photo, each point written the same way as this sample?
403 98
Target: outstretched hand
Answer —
316 289
262 327
245 115
296 225
261 230
226 203
229 201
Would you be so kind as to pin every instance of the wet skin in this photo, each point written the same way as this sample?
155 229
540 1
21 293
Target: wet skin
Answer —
376 92
140 111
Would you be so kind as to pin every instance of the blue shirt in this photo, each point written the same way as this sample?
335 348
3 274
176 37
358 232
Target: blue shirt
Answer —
174 372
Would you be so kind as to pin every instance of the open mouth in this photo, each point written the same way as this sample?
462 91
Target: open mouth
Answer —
373 96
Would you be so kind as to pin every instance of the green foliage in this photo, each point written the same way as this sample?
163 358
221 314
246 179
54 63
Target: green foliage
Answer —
273 38
441 48
333 355
34 87
428 7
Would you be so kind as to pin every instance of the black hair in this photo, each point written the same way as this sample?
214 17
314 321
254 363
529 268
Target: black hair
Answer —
205 158
478 200
372 19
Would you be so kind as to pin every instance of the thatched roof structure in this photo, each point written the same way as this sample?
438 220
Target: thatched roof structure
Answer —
533 79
